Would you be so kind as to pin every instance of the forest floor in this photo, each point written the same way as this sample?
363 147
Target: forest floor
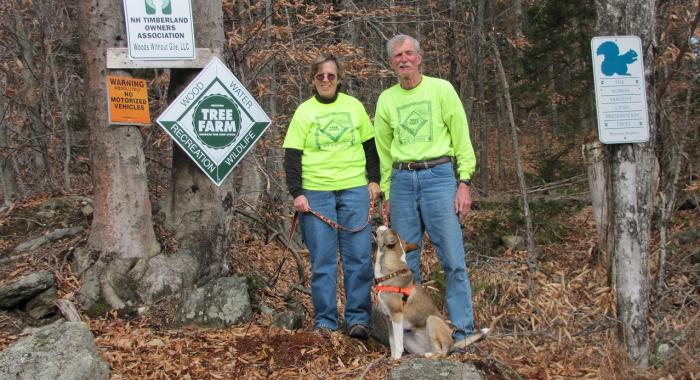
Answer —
566 329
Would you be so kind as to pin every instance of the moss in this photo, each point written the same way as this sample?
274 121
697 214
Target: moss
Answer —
99 308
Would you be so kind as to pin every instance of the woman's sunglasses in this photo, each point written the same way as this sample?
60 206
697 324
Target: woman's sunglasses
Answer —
331 77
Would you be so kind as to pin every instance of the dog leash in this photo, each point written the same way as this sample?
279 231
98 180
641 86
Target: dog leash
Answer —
341 227
385 214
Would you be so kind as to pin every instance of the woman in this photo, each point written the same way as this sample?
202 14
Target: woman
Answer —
329 156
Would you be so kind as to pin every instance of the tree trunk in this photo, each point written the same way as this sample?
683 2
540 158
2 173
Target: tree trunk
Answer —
532 250
598 168
199 213
30 98
481 103
7 175
122 230
634 170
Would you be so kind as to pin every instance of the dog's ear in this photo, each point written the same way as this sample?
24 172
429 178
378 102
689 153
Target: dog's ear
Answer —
409 246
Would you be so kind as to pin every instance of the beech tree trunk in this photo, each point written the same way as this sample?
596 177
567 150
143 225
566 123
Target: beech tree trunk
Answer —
7 174
598 169
634 170
199 213
122 230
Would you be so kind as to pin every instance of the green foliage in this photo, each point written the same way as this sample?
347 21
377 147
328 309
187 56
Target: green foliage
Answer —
548 219
553 165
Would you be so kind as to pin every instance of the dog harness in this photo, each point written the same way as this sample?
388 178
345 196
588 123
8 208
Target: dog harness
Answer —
378 288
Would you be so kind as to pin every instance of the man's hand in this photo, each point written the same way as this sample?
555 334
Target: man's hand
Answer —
301 204
374 191
463 200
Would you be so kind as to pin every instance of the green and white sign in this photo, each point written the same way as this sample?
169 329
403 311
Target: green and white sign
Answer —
159 29
215 121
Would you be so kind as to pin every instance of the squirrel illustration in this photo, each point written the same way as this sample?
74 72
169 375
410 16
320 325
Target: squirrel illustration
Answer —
613 62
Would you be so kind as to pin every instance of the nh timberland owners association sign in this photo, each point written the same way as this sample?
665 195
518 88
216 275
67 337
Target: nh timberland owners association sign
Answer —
215 121
159 29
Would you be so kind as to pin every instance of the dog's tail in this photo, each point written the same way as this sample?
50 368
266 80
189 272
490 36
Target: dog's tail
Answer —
440 335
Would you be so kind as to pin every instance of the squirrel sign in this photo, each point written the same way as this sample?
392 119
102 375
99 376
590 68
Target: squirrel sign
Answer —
613 62
620 87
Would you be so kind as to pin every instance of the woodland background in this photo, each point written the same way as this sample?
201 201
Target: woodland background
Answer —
565 329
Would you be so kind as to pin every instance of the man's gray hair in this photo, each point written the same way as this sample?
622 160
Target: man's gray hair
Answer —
399 39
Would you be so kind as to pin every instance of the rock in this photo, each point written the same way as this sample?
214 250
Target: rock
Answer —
695 257
379 326
24 289
62 350
56 204
220 303
429 369
45 214
291 319
87 210
660 353
689 236
42 306
51 236
83 259
513 242
164 275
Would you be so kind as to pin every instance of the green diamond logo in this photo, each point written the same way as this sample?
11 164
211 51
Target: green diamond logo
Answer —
413 123
333 131
215 121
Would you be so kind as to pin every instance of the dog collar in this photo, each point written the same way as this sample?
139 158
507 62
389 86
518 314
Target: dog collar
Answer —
379 280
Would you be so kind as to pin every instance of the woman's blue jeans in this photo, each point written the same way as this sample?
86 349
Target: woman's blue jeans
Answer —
349 208
424 200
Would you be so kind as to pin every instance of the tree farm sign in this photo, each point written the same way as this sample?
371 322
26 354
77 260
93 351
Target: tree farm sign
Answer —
215 121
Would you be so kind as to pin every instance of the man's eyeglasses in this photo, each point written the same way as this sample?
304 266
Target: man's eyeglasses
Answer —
331 77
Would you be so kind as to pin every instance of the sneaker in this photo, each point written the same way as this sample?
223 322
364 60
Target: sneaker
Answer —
359 331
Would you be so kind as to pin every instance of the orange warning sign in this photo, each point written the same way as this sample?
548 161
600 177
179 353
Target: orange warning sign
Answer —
128 101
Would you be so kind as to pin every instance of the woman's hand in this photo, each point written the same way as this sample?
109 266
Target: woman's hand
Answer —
301 204
374 191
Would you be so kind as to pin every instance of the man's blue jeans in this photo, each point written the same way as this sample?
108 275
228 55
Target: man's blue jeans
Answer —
424 200
348 208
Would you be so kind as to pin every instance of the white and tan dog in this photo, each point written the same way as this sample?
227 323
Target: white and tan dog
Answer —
416 323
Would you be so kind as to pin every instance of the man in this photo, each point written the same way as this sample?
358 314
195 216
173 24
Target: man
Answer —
421 131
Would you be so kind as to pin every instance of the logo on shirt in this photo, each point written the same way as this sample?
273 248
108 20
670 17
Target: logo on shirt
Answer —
415 123
334 129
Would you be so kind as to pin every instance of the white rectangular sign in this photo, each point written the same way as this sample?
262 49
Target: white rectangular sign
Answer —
159 29
620 89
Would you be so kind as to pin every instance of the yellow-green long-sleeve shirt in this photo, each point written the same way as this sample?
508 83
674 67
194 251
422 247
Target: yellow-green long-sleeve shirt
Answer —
422 123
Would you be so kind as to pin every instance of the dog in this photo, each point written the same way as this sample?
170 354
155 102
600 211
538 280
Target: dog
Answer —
416 323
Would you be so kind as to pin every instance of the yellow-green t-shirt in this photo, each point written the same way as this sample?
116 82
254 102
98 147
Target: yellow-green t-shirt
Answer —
425 122
330 137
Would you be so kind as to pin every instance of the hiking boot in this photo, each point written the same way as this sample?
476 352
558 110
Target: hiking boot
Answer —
359 331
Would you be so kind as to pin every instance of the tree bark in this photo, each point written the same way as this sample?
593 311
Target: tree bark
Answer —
598 169
122 230
532 250
7 175
481 102
199 213
634 170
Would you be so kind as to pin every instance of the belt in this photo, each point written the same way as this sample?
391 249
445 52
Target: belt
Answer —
418 165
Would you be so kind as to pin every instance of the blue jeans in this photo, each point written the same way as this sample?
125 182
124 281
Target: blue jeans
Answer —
424 200
348 208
